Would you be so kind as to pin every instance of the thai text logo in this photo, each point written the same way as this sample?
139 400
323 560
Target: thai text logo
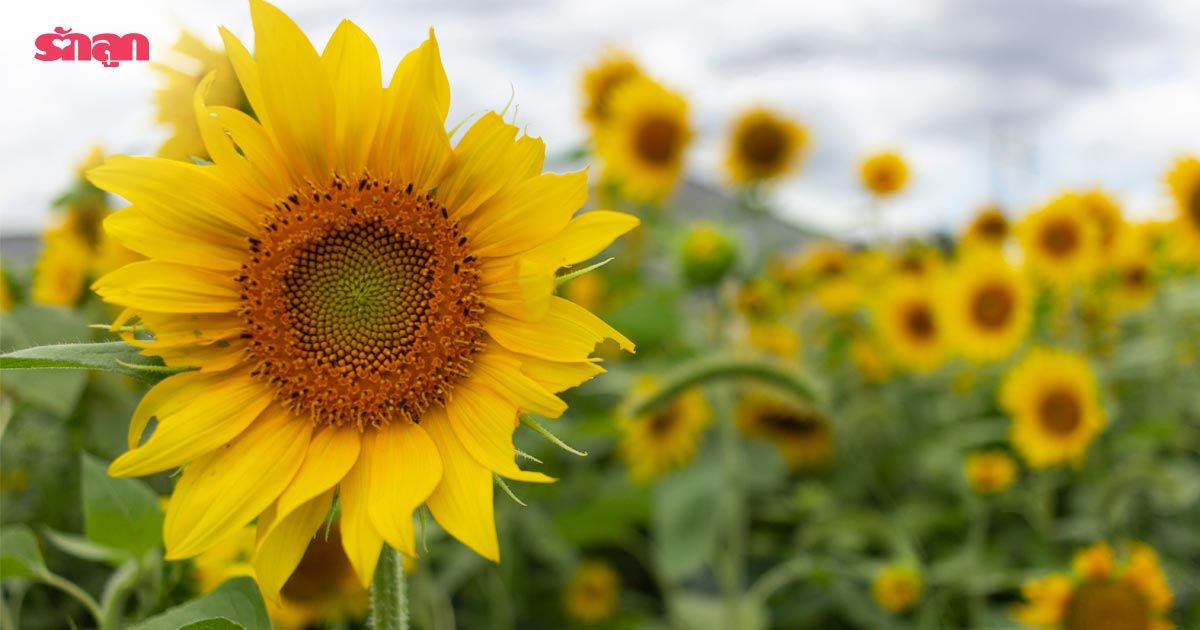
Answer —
108 48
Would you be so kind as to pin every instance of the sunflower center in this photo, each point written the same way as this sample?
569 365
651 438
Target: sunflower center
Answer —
1106 605
1060 412
361 303
919 322
659 140
791 424
993 306
993 226
1137 277
1060 238
661 421
763 144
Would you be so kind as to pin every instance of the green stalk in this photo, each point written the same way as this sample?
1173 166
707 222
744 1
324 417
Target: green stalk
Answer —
389 593
721 367
731 557
71 589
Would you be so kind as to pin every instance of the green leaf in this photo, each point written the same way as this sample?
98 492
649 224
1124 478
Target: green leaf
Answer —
84 549
26 326
236 602
685 524
112 356
119 513
19 553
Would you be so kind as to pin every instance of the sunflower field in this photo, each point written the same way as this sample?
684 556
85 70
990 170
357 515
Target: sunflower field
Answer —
330 360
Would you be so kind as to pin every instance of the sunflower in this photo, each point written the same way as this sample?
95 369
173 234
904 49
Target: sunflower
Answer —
1100 593
897 588
988 306
763 145
801 434
773 337
643 142
884 174
174 98
870 359
370 308
1184 182
601 80
1051 396
1060 242
918 260
828 269
759 299
323 589
708 253
911 325
989 228
61 272
593 593
990 472
1134 277
8 292
663 438
1105 215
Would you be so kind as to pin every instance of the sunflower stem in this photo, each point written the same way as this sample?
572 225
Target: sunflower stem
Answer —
724 367
389 593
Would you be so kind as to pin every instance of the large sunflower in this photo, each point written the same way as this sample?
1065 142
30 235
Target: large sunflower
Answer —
369 307
911 325
195 61
1184 181
763 145
1051 396
1100 594
1060 242
989 307
644 139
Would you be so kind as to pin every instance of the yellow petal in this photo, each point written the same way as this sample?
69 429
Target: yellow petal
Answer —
154 235
404 469
501 372
481 165
462 501
172 329
226 489
282 541
197 412
585 236
353 65
568 333
296 91
557 376
222 150
275 174
484 424
246 69
360 539
169 288
330 456
518 288
212 357
241 148
526 215
412 142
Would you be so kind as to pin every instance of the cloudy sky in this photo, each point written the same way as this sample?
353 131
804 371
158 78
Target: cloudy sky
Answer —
988 99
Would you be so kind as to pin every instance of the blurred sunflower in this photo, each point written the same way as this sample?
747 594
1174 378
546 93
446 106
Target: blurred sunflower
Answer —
601 80
988 306
1105 214
1184 181
990 472
351 327
708 254
911 325
174 99
666 437
8 292
61 272
897 588
1100 594
759 299
593 593
870 359
763 145
802 436
1051 396
828 267
322 590
773 337
643 142
1135 279
884 174
588 291
918 260
989 228
1060 241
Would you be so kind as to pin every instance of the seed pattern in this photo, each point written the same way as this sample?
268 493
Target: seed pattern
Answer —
361 303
